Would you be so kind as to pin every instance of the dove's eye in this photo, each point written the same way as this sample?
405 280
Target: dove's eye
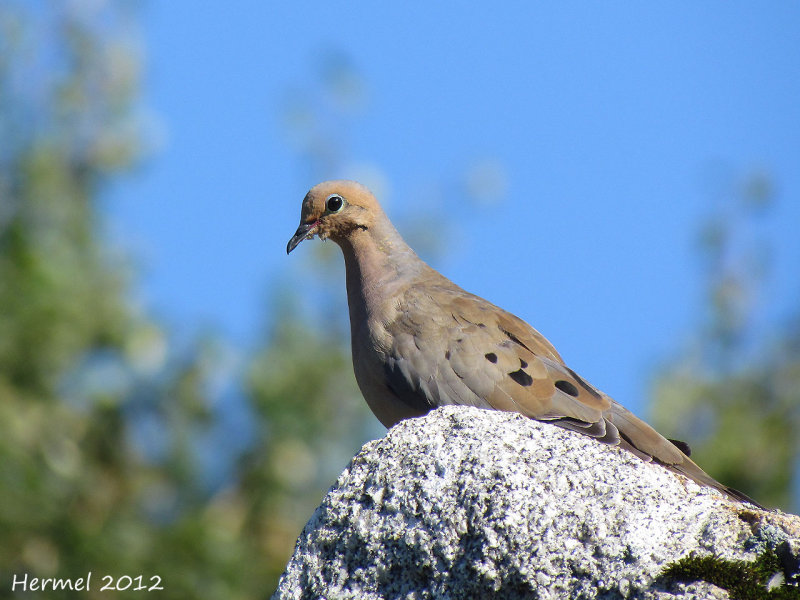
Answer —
334 203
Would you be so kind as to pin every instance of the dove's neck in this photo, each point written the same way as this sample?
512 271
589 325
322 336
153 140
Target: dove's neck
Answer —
380 266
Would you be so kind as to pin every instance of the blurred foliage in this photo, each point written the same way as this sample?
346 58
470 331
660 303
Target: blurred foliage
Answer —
311 421
734 394
111 438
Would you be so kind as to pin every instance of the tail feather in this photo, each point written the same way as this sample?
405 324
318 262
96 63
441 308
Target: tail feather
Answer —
690 469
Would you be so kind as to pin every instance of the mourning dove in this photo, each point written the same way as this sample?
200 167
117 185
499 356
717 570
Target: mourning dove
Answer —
420 342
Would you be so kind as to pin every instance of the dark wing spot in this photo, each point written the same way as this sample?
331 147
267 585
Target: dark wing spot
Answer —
522 378
491 357
583 384
447 354
567 387
522 364
682 446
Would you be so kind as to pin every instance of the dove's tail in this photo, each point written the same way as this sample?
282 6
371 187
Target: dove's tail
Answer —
638 437
690 469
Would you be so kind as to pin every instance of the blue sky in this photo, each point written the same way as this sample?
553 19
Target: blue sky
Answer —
615 127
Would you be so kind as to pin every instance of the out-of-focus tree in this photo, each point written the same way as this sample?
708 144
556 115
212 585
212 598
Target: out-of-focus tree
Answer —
81 370
735 392
64 134
311 421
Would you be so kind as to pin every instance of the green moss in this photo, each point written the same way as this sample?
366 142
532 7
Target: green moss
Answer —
742 580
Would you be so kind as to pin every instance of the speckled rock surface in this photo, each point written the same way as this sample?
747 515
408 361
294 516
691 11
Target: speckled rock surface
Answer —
469 504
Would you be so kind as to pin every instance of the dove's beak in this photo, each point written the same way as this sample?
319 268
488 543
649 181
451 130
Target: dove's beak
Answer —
305 231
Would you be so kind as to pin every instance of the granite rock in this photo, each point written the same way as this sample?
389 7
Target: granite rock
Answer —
467 504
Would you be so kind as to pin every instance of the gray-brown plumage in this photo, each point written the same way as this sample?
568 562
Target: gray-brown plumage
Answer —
419 341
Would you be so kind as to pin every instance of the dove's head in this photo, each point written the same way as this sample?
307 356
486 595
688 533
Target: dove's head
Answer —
335 209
